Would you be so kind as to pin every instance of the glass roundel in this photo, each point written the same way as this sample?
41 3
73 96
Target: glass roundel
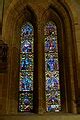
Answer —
26 68
52 85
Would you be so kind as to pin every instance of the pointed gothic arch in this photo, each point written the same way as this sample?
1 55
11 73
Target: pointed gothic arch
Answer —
23 14
61 15
64 21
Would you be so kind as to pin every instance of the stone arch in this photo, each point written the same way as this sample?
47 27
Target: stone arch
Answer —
15 17
60 13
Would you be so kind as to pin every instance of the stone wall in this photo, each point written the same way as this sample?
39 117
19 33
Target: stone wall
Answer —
8 80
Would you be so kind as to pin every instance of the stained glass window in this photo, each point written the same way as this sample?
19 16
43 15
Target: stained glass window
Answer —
53 102
26 69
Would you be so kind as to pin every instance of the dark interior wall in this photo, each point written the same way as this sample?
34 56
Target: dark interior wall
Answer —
13 17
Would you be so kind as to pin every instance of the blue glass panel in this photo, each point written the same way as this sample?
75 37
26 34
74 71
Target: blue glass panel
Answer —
26 81
25 102
53 100
52 81
51 63
26 62
26 46
27 31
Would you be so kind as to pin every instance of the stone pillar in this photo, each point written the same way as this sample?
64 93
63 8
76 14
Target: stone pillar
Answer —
41 70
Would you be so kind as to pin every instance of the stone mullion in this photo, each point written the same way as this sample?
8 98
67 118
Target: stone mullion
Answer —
40 71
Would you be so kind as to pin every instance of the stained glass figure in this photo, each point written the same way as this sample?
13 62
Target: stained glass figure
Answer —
52 68
26 46
50 44
26 62
51 63
25 101
27 31
26 81
26 68
52 81
53 101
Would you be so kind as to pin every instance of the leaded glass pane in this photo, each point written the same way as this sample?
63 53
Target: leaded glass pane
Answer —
26 81
51 63
25 101
26 46
52 68
26 68
53 101
27 31
52 81
26 62
50 44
